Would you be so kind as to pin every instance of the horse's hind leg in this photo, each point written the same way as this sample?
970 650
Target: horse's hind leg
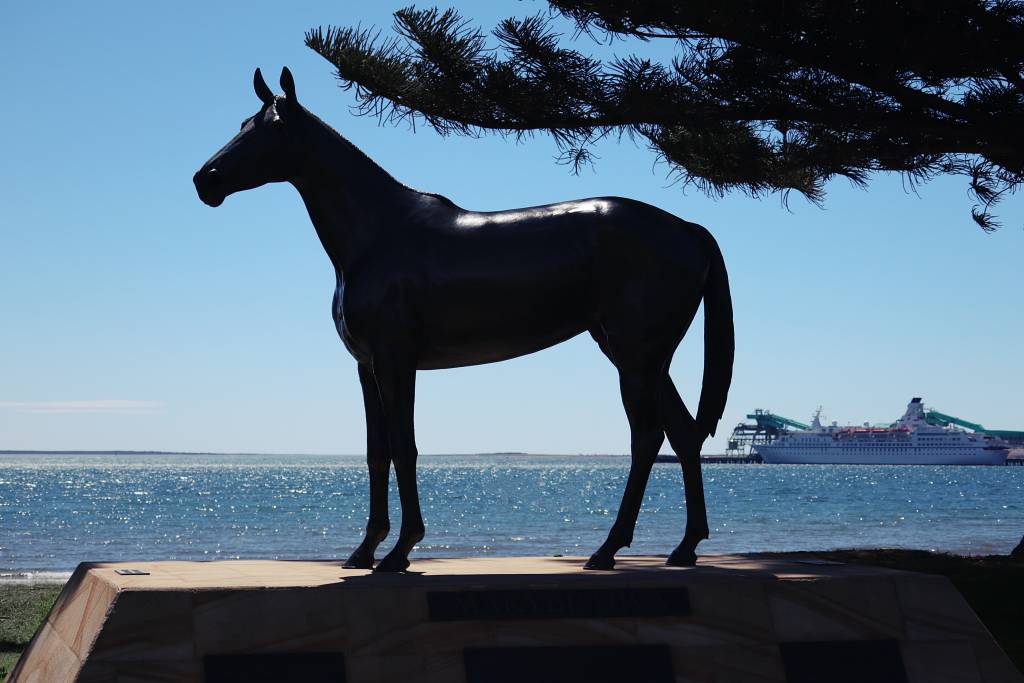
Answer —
682 436
640 389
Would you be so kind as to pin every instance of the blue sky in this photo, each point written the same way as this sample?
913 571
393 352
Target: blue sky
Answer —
135 317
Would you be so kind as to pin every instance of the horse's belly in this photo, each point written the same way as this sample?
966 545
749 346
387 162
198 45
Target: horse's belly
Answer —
482 348
489 327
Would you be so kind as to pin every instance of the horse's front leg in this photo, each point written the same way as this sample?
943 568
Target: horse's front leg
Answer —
396 382
378 462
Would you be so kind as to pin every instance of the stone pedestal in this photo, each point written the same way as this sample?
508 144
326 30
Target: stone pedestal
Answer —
731 618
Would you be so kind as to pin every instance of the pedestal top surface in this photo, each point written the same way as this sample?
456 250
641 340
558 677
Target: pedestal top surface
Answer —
242 574
723 619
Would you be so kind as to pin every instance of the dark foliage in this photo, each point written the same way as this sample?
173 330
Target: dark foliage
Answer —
762 97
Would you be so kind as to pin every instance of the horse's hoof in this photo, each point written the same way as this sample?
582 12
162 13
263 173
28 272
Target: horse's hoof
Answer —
600 562
392 563
359 560
682 558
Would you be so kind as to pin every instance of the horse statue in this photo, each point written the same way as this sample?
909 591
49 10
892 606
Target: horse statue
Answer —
424 284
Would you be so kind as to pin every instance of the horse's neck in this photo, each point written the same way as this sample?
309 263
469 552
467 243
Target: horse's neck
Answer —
351 200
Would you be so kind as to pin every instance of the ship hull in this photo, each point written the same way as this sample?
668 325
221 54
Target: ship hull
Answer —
911 455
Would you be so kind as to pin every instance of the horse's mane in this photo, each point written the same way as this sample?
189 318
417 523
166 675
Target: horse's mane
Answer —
362 155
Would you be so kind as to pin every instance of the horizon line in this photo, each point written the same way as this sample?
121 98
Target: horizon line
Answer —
156 452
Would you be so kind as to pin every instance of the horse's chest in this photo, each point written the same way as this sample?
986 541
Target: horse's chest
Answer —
343 323
361 314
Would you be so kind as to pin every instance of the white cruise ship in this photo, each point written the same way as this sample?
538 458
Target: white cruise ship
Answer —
910 441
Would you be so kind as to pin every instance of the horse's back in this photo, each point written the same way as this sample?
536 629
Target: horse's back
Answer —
613 226
483 287
608 240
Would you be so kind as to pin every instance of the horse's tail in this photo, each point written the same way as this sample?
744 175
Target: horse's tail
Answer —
719 345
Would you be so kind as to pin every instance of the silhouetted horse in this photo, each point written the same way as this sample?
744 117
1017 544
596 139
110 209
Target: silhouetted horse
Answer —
424 284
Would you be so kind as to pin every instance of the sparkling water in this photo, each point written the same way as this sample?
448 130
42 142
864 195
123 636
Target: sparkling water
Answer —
56 511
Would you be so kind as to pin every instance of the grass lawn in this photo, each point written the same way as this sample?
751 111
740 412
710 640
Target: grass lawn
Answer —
992 585
22 608
7 660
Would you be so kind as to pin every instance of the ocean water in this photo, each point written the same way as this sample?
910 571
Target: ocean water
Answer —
56 511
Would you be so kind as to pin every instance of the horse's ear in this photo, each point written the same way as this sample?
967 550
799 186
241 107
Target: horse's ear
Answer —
288 85
262 90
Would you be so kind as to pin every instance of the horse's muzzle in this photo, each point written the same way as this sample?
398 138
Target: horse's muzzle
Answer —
209 187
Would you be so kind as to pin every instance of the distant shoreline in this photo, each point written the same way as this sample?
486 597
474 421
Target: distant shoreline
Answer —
308 455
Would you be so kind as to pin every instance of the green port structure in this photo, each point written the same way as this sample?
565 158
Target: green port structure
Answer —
1013 437
767 426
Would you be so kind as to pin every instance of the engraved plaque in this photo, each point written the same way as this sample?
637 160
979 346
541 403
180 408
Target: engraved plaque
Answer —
558 603
582 664
284 667
854 661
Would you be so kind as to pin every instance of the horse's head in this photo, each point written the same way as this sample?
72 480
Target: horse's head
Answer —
261 152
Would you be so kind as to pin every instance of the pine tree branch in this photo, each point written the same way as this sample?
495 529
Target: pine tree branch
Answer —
762 97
